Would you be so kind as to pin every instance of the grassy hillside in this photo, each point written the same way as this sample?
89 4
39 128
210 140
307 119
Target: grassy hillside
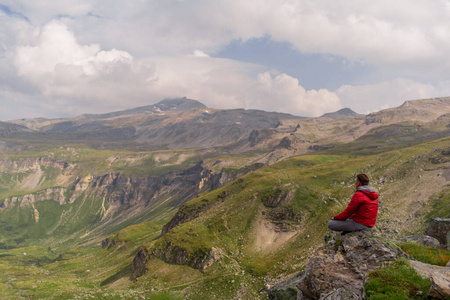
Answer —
261 241
263 226
260 228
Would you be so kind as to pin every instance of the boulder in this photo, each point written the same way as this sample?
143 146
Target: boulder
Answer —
286 289
339 269
422 239
107 242
439 277
326 273
448 240
439 228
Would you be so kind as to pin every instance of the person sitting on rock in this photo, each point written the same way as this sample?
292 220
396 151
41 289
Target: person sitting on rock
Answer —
361 212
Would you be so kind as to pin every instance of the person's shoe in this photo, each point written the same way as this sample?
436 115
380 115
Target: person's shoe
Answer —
345 232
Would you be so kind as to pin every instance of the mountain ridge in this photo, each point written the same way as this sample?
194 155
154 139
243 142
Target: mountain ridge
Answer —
184 123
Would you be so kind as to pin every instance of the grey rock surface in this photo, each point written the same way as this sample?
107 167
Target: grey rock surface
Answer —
438 228
339 269
439 277
422 239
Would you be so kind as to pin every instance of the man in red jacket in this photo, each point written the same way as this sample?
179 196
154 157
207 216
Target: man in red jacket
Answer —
361 212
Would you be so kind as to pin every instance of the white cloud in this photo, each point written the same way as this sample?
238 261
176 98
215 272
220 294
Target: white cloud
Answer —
223 83
75 54
374 97
284 93
382 32
68 73
199 53
56 46
403 33
81 78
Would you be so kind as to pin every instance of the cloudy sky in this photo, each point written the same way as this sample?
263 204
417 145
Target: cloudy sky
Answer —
304 57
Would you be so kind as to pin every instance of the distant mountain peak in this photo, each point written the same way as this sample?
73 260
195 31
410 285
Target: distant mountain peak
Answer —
344 112
178 104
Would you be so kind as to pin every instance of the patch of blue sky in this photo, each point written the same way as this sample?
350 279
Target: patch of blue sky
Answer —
12 13
91 14
313 70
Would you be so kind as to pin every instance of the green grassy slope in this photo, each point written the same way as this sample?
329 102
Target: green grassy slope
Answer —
260 242
264 225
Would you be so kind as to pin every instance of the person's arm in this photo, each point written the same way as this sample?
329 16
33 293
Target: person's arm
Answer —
351 208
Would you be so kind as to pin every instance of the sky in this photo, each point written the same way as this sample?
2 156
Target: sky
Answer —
303 57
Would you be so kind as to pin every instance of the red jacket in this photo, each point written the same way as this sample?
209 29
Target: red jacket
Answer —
363 207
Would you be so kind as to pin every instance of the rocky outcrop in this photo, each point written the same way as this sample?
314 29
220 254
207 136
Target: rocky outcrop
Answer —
108 242
138 267
253 137
284 219
181 185
56 194
30 164
181 217
175 254
274 198
226 176
439 228
342 265
286 289
277 195
286 143
422 239
439 278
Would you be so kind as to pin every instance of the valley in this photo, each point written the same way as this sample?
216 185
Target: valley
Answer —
180 201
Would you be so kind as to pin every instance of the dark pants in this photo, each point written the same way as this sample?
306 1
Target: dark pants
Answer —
347 225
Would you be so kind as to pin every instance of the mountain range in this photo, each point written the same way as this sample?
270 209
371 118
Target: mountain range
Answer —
178 200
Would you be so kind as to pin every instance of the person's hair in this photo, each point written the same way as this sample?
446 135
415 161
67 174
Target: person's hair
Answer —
363 179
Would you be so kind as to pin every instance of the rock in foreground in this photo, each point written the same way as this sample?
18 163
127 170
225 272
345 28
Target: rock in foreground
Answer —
339 269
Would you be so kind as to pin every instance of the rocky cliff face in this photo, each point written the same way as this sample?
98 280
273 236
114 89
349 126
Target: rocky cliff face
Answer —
56 194
120 196
30 164
127 192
